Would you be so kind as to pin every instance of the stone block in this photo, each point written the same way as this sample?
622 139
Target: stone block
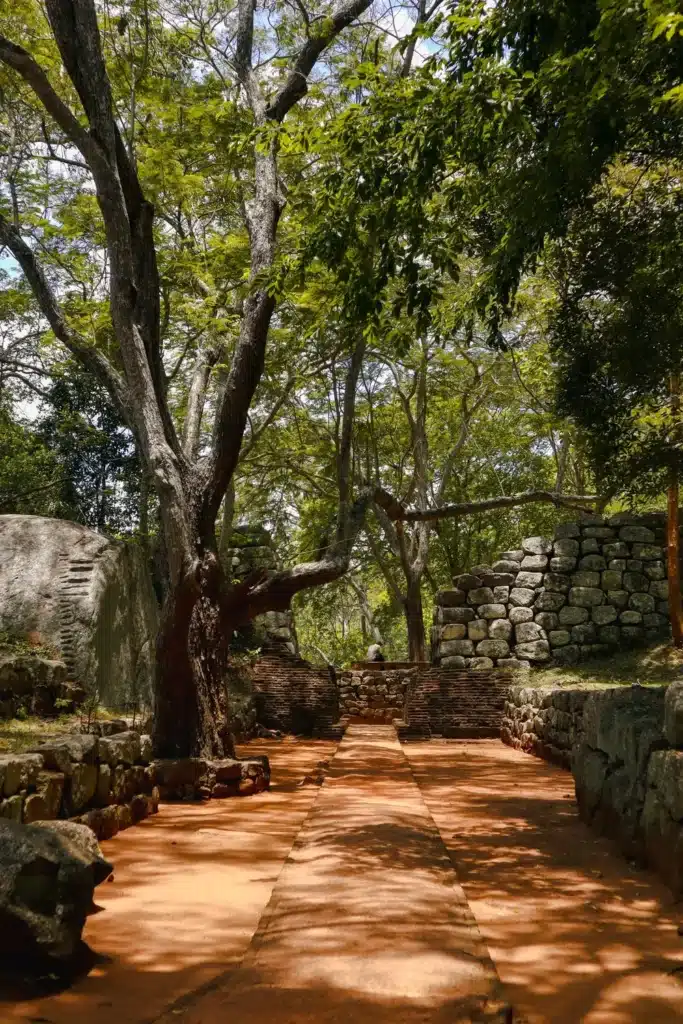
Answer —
520 614
602 533
610 580
592 563
610 635
584 633
636 583
481 570
572 616
590 546
450 598
636 535
12 808
604 615
19 771
549 601
500 629
568 655
501 595
81 786
514 665
566 548
586 597
60 753
535 563
644 603
478 629
123 748
458 615
535 651
462 647
559 637
145 749
616 549
492 611
619 598
556 582
529 580
480 664
506 565
653 620
635 564
585 579
547 620
522 597
453 661
480 595
454 631
562 564
617 564
631 618
35 809
493 649
647 552
654 571
659 590
537 546
526 632
50 786
513 556
632 634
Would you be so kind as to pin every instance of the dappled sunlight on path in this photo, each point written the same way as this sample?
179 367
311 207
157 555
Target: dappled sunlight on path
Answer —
367 921
190 886
576 933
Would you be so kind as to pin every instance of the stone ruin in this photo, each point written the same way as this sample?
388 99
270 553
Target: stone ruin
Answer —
85 597
599 585
251 548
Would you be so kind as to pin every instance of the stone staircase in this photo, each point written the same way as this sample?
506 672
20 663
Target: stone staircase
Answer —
73 582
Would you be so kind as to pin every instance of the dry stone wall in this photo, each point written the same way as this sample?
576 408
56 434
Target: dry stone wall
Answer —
599 584
625 749
375 693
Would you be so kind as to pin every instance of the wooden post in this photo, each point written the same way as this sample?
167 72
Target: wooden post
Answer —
673 535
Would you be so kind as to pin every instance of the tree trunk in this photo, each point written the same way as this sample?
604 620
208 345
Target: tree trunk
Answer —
673 525
412 604
191 706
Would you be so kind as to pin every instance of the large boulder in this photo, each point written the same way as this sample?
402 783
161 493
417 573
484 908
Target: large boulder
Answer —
89 597
48 871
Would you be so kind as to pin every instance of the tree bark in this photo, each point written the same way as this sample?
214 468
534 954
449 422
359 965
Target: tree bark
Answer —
673 525
415 621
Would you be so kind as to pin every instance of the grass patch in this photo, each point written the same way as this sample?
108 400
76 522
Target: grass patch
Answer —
653 666
17 735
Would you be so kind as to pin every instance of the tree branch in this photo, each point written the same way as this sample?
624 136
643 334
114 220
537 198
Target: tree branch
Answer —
395 510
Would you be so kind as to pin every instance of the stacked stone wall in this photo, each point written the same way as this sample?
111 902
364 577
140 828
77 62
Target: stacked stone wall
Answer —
292 696
107 782
625 750
375 694
598 585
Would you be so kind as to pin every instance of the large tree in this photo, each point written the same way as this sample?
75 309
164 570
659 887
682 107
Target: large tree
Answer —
79 107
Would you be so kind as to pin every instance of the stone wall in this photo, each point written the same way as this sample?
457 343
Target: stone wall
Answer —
545 721
625 749
292 696
33 685
375 692
598 585
105 782
110 782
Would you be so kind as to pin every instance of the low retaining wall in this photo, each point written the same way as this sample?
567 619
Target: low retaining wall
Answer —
453 704
110 782
625 750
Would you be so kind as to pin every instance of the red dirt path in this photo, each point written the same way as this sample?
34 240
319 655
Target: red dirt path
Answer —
575 934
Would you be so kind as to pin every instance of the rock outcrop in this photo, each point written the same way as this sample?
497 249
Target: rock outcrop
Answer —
48 872
88 597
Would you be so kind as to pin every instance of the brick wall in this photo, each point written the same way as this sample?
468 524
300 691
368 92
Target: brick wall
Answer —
293 696
455 703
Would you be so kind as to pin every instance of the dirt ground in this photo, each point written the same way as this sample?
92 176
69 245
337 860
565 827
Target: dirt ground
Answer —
575 932
340 903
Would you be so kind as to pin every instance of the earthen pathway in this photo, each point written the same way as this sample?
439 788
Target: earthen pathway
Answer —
380 897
